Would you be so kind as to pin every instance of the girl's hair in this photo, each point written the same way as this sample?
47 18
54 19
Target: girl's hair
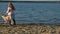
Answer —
11 6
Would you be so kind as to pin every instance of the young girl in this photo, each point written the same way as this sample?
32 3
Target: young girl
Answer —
10 13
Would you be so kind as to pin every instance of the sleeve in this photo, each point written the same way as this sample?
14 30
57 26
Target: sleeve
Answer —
7 10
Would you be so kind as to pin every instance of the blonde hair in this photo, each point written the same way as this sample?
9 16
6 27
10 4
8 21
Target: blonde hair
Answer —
11 6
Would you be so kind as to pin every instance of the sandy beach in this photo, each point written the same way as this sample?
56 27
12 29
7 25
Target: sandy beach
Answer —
29 29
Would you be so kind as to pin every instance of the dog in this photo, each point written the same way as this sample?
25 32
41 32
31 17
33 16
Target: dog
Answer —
5 18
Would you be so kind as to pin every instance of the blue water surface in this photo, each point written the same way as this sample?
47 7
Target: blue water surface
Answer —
33 12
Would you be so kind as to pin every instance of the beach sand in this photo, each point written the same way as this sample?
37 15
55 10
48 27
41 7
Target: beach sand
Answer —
29 29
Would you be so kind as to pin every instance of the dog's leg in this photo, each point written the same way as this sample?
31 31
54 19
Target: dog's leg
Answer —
4 19
6 22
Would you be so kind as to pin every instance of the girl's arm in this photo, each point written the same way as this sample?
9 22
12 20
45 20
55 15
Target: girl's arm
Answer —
8 10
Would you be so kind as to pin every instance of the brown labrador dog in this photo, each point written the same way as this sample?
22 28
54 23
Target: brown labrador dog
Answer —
6 18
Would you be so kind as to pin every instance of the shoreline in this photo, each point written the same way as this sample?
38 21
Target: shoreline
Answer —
29 29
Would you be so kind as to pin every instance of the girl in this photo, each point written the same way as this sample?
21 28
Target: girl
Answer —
10 13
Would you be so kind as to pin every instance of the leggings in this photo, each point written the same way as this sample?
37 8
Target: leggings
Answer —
12 21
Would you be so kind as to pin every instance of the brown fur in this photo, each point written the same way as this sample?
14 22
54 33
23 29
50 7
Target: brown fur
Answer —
5 17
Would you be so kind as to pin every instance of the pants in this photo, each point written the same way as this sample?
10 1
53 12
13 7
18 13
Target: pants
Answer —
12 21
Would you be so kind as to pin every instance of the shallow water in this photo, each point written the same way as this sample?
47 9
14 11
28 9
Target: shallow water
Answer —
34 12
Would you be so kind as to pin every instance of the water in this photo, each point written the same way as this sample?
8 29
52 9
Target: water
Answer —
34 12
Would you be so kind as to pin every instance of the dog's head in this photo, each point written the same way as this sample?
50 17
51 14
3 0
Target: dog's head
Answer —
3 15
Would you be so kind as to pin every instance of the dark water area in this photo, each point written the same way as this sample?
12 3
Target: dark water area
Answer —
34 12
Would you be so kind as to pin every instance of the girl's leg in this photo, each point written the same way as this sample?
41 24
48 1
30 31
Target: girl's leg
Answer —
14 21
10 22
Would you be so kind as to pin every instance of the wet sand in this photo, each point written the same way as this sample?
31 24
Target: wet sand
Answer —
29 29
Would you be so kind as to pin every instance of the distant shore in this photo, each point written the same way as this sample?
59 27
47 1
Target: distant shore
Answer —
33 1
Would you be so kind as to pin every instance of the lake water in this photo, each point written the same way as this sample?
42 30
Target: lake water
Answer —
34 12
